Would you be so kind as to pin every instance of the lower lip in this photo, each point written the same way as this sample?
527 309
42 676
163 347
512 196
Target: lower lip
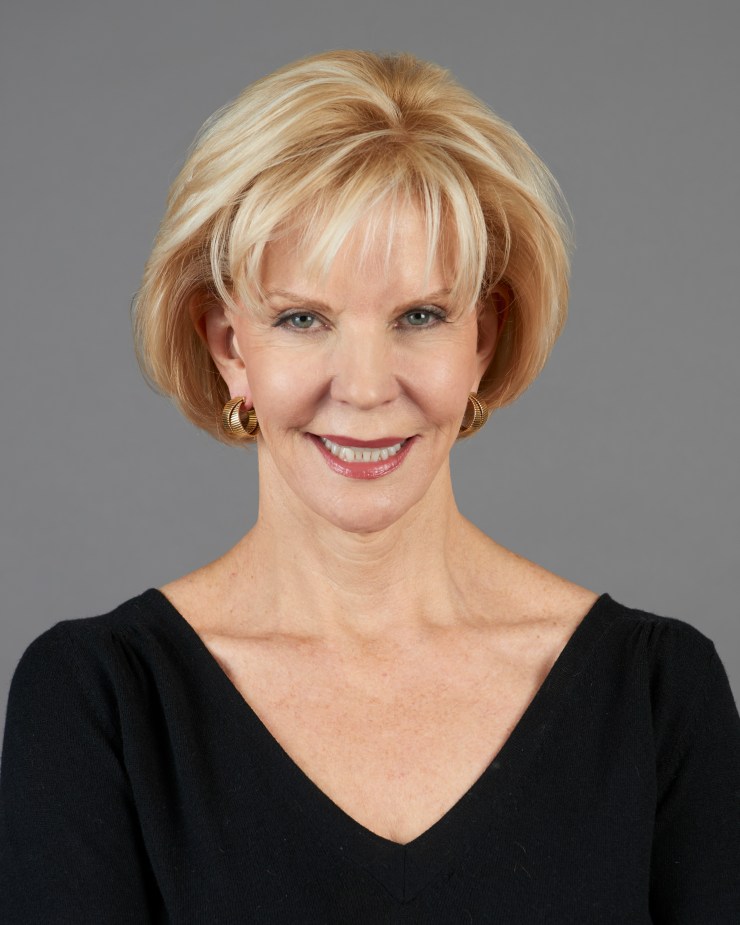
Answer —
363 470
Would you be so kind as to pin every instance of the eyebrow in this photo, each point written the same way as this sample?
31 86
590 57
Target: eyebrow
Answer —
317 303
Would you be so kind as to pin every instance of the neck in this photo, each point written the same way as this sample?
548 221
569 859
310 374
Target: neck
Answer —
309 577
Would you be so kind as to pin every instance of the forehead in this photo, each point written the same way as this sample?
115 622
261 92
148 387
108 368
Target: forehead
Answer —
388 253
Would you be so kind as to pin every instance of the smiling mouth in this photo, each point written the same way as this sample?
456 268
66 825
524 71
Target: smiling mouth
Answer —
362 453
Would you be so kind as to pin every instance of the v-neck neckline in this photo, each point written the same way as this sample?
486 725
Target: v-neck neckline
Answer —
406 869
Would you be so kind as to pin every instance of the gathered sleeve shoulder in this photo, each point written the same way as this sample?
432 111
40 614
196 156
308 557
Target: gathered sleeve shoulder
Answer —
695 866
71 849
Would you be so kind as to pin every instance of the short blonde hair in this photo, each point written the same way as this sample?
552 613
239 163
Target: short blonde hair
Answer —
316 146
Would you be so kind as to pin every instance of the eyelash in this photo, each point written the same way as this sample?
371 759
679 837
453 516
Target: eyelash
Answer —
438 314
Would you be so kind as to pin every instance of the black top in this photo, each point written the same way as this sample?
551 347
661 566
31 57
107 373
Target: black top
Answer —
138 786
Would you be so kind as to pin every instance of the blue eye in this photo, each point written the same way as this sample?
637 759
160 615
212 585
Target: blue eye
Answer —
423 317
300 321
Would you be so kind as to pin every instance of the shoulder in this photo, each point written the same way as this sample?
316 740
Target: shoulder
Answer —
672 654
92 676
83 650
672 665
123 617
667 641
669 657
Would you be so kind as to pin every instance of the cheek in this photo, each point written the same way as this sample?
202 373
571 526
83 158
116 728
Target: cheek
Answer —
285 384
442 378
445 390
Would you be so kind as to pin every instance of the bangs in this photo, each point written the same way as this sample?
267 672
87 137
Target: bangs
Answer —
364 195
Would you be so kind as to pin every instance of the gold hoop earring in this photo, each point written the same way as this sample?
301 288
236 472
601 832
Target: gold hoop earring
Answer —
476 415
239 421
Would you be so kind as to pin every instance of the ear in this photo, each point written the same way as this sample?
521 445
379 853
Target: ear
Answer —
214 326
491 320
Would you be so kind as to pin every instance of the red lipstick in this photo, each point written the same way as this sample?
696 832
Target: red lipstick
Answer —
364 469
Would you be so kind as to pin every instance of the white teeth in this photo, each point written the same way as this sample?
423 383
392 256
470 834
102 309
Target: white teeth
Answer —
361 453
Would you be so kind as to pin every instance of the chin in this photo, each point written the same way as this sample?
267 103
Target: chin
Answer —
364 527
366 519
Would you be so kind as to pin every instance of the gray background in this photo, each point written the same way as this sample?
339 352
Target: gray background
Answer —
617 469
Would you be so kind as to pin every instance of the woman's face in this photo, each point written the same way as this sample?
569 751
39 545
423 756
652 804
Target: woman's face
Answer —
359 380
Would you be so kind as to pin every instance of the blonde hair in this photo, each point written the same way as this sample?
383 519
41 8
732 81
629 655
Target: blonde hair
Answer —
316 146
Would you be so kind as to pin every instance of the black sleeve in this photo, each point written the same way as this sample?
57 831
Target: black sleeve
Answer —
71 849
695 872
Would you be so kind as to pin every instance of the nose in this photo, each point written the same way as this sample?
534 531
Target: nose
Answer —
364 373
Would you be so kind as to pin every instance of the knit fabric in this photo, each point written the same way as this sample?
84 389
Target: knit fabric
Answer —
138 786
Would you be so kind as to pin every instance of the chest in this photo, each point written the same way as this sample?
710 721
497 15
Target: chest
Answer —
394 741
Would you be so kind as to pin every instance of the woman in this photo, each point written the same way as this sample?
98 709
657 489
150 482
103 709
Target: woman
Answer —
367 710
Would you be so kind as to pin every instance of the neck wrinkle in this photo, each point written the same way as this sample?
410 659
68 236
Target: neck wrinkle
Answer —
344 587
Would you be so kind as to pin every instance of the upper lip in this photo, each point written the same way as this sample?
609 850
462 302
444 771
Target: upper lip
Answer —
379 443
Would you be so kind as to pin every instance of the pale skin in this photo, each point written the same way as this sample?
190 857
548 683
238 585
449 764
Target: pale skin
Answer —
386 643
